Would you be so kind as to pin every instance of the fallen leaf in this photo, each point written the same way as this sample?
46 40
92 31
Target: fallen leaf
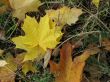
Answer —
68 70
21 7
38 37
9 66
96 2
7 72
64 15
28 66
7 75
14 63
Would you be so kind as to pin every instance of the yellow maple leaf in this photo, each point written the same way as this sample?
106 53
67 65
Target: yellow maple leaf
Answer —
38 37
64 15
96 2
68 70
21 7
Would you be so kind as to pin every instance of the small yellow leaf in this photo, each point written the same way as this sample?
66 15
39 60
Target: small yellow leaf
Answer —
38 37
28 66
64 15
96 2
21 7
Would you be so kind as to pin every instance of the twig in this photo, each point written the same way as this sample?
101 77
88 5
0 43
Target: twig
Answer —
80 34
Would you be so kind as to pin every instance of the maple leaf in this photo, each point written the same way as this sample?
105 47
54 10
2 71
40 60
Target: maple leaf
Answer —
21 7
68 70
38 37
96 2
64 15
26 66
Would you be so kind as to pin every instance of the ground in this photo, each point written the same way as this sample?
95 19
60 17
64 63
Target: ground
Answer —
93 27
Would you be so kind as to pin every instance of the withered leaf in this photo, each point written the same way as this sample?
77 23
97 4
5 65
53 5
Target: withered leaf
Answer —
68 70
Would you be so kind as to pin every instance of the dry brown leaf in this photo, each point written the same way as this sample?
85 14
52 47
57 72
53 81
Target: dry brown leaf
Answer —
7 73
21 7
65 15
68 70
